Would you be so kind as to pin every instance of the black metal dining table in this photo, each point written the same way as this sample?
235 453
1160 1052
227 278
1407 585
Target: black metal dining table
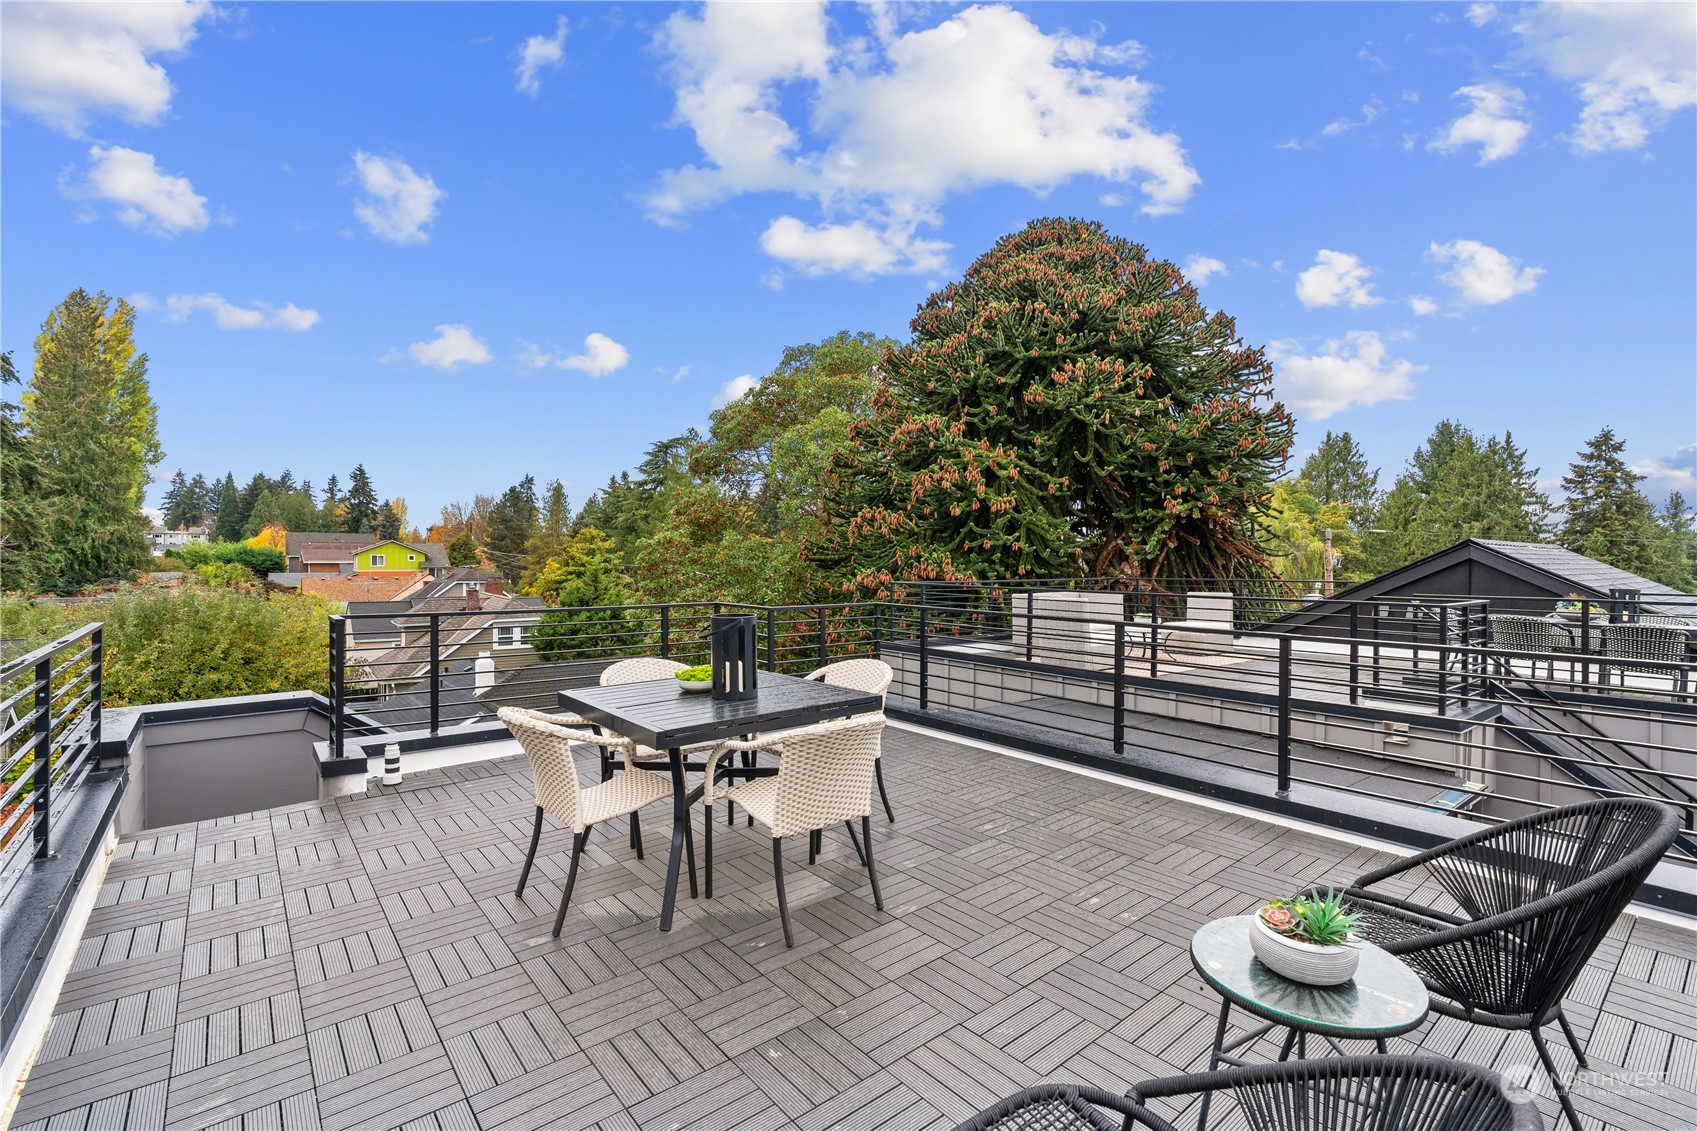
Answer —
661 714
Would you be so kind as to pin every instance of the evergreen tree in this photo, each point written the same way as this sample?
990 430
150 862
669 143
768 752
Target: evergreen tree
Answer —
388 523
297 511
1068 408
227 526
92 427
1678 557
512 521
1608 517
202 500
1337 472
1457 486
462 551
176 501
586 576
263 513
553 530
23 550
330 514
360 514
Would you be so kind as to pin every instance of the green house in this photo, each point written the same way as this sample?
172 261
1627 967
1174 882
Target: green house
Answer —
390 557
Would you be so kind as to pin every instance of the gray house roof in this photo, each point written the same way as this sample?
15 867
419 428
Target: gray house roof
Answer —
1542 567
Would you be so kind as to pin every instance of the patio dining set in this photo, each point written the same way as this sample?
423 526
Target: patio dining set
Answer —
1492 928
1650 644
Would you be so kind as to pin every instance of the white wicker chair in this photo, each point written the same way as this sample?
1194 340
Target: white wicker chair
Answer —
548 746
872 676
639 669
825 778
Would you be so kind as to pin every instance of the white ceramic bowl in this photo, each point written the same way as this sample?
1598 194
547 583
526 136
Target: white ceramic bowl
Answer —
696 684
1302 961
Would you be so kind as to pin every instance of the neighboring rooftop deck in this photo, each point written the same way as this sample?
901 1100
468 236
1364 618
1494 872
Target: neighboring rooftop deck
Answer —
363 963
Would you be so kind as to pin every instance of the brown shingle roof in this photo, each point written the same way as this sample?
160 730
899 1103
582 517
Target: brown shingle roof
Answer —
329 551
357 587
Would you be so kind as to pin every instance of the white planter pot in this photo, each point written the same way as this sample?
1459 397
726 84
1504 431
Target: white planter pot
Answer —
1302 961
696 684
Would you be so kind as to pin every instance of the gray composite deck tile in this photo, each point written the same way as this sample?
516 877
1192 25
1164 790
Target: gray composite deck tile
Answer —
363 963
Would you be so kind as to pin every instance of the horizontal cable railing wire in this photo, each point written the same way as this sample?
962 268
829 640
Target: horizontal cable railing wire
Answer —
50 704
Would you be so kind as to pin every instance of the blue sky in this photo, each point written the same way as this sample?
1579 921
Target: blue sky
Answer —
463 242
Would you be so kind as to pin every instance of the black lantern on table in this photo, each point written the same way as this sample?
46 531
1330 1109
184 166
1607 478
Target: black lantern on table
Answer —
733 652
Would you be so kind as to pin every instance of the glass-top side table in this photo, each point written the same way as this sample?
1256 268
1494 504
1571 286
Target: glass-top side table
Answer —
1384 999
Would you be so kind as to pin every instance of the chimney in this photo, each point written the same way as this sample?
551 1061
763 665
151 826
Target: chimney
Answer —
471 605
496 586
483 674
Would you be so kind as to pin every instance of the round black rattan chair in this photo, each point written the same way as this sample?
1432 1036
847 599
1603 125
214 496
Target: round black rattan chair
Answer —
1523 907
1353 1093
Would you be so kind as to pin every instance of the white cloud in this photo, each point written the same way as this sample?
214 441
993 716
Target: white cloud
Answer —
229 316
1495 123
1631 65
1481 14
1677 472
146 197
601 355
1369 114
64 63
1422 305
399 203
1336 277
453 345
1200 268
1352 372
859 249
1481 274
733 390
538 53
898 123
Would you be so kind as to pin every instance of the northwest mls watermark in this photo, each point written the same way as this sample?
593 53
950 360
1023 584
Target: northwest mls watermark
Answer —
1523 1079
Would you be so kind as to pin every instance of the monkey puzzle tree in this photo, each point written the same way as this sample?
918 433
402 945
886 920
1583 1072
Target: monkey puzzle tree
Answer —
1067 408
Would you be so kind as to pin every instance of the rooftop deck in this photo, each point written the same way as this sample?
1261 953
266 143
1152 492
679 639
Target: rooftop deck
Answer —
363 963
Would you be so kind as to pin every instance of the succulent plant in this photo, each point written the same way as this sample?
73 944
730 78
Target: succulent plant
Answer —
1322 922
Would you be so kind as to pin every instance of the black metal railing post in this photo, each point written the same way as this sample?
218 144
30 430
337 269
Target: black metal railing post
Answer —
1585 642
771 640
338 683
435 672
1354 653
1154 638
821 631
97 685
1030 599
924 657
43 756
1119 686
877 631
1443 659
665 632
1284 715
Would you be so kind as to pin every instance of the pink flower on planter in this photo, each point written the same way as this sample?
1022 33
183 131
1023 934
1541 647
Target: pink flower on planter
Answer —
1278 918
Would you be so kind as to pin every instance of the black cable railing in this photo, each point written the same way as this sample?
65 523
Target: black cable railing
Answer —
1410 700
50 711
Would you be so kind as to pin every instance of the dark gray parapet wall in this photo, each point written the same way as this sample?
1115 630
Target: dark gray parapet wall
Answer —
211 758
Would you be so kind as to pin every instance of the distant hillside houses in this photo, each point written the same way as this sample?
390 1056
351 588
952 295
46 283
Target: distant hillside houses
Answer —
377 562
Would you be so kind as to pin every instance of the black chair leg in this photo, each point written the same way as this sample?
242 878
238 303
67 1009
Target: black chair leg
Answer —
813 847
707 849
689 853
883 794
571 880
636 834
854 839
530 857
749 759
1572 1041
871 869
778 876
1555 1079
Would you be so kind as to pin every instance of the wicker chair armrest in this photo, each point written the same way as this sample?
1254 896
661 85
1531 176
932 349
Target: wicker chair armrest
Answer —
711 771
1021 1110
